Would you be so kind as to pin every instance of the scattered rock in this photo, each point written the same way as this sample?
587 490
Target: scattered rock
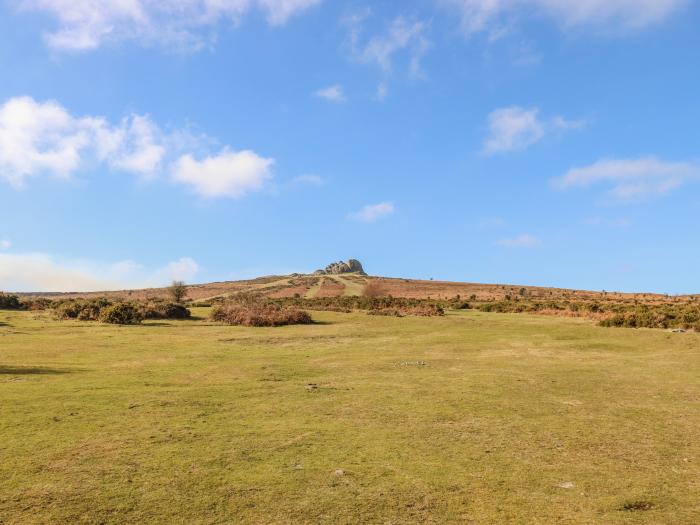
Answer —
678 331
349 266
566 485
339 472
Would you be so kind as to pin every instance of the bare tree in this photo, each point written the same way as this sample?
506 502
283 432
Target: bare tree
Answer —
373 288
178 291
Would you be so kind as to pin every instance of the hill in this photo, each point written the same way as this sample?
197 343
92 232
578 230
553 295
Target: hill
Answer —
348 284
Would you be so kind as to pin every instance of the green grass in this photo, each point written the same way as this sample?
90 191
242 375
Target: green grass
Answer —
470 418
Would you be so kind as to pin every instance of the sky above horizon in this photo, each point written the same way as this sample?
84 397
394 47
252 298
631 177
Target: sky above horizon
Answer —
534 142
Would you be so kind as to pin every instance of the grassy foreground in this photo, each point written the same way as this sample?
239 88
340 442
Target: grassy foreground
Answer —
470 418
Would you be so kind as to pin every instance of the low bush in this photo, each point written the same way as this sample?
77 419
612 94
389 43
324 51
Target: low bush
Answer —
81 309
10 302
121 313
259 314
408 306
389 312
163 310
40 303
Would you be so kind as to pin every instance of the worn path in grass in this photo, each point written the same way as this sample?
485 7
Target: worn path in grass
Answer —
470 418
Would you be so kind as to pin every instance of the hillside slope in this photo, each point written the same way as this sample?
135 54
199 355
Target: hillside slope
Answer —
311 286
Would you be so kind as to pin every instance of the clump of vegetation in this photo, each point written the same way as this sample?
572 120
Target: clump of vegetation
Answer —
403 305
37 304
609 313
121 313
667 316
9 302
258 314
164 310
108 311
81 309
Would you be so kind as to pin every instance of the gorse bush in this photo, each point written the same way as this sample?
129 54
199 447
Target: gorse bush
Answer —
10 302
164 310
115 312
667 316
406 306
258 314
81 309
121 313
37 304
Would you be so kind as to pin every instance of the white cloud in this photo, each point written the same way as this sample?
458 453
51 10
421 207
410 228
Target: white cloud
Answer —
515 128
332 93
521 241
44 138
183 269
373 212
5 244
632 178
493 16
313 180
88 24
228 174
41 272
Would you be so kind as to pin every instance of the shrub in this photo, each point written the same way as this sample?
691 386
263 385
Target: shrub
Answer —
84 310
424 310
389 312
40 303
259 314
9 302
161 310
121 313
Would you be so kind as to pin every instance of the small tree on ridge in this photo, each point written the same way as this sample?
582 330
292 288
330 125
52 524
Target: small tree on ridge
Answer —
178 291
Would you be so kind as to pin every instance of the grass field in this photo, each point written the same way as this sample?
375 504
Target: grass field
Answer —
470 418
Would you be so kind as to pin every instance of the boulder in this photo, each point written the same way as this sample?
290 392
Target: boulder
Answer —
349 266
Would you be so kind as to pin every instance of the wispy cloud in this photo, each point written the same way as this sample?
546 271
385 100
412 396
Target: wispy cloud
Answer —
373 212
310 179
521 241
332 93
403 37
27 272
5 244
621 222
515 128
43 138
632 179
382 91
87 25
494 17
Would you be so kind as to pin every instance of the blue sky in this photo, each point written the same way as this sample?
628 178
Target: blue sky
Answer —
540 142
